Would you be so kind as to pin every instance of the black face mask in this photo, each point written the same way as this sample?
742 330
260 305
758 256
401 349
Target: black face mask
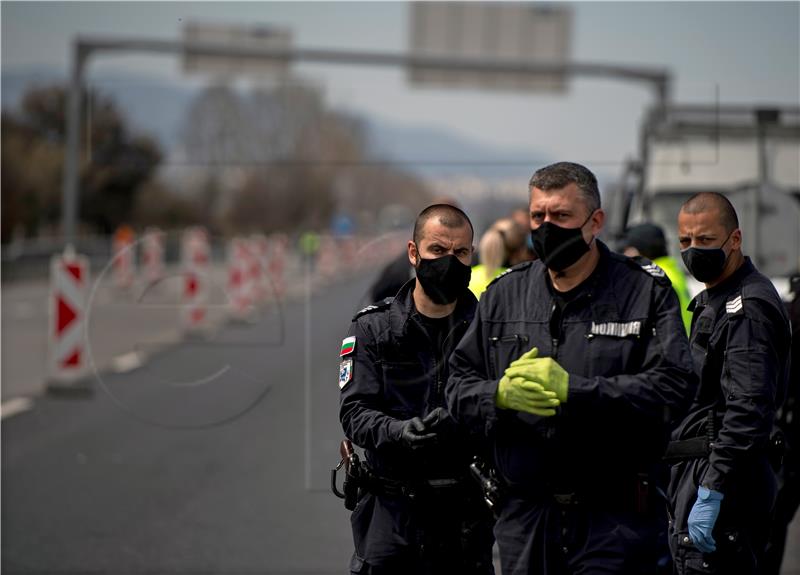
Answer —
558 247
705 264
444 278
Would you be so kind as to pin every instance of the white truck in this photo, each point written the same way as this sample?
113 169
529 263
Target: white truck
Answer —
750 154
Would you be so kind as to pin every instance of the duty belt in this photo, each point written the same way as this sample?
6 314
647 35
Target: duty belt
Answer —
701 447
410 488
696 447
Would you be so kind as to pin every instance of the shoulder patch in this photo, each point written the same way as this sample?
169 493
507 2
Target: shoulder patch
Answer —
383 304
345 372
348 346
734 305
516 268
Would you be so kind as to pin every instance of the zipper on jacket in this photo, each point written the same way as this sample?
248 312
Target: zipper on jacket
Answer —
439 384
554 336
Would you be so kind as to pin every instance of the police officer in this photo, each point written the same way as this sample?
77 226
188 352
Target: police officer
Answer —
576 366
419 511
398 271
723 485
788 500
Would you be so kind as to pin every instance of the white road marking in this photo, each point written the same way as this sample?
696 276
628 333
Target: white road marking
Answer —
126 362
15 406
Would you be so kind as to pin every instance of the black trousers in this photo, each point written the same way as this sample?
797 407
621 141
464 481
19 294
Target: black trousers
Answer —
549 538
743 525
441 535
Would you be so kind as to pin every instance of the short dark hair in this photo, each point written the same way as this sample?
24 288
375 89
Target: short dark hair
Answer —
449 216
705 201
561 174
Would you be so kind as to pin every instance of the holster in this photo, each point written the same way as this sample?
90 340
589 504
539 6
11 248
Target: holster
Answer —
493 492
354 474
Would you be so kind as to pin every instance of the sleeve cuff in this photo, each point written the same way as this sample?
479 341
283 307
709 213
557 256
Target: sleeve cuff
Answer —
706 494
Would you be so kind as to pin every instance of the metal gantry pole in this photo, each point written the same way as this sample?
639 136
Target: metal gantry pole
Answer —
70 195
83 47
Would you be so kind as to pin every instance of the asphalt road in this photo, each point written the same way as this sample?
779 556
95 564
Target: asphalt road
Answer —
194 463
213 457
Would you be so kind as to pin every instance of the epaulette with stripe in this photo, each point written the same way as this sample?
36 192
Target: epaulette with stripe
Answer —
383 304
516 268
650 269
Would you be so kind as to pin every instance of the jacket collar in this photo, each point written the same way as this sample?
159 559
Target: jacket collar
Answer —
596 279
402 309
726 287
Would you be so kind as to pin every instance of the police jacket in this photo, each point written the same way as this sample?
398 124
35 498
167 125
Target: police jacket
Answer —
397 374
740 342
630 379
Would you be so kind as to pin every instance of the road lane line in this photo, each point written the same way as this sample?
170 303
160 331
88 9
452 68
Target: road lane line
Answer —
15 406
307 376
126 362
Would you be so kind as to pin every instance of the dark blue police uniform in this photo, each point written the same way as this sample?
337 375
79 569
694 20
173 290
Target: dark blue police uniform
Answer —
422 513
580 484
740 342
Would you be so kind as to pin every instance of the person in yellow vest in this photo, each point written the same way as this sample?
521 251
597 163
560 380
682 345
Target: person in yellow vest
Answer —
492 254
647 240
501 246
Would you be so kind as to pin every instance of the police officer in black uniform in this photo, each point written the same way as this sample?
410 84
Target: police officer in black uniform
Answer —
579 423
723 484
788 501
418 511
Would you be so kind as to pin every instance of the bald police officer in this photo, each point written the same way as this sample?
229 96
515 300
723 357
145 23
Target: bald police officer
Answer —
723 484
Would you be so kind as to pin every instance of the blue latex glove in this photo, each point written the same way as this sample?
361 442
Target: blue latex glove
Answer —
702 518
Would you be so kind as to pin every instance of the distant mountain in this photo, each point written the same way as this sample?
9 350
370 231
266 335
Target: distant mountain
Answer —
438 152
157 107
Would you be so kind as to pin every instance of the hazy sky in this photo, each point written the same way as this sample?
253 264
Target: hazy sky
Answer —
750 52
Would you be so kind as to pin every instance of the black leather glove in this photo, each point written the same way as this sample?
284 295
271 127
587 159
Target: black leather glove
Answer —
436 419
413 434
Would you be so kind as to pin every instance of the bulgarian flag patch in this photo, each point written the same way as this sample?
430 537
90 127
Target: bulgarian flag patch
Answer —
348 345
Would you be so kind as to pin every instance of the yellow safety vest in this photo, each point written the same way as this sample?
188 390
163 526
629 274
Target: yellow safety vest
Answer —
481 277
678 279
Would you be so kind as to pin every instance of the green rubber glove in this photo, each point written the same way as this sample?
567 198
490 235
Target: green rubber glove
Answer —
527 396
544 371
532 353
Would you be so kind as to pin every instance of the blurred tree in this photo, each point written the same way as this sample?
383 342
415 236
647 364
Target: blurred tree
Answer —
113 162
278 159
157 205
31 177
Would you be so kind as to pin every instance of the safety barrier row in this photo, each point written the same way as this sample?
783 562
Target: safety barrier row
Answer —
255 275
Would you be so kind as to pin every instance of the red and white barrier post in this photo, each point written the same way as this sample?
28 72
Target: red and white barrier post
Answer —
277 264
69 291
195 258
153 255
123 253
240 279
259 249
328 260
